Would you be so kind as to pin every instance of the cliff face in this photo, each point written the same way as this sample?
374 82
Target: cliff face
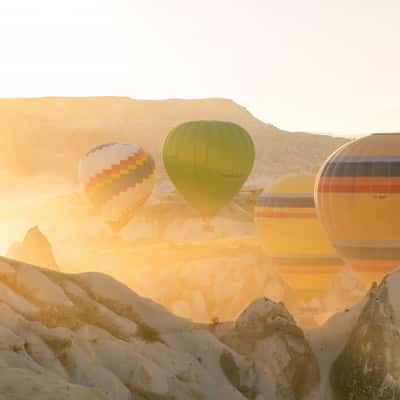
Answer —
49 135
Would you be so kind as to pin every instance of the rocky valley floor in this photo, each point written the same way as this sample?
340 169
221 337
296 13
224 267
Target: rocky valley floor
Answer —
87 336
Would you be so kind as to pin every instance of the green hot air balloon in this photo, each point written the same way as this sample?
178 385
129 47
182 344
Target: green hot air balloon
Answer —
208 161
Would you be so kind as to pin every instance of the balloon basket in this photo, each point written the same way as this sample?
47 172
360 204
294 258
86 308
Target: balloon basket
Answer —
209 228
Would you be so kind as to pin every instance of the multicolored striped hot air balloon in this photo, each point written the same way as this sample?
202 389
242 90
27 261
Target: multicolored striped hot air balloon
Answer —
117 178
292 236
358 200
208 162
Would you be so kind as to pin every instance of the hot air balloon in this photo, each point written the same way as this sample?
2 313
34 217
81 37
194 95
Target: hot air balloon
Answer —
208 162
358 200
117 178
292 236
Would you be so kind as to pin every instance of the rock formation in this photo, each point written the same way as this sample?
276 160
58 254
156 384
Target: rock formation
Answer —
369 365
210 283
358 348
266 333
87 336
34 249
345 290
78 332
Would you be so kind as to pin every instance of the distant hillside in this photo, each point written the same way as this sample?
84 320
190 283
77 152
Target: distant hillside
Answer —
48 135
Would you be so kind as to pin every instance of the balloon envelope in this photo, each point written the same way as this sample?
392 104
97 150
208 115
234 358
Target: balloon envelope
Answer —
358 200
292 236
208 162
117 178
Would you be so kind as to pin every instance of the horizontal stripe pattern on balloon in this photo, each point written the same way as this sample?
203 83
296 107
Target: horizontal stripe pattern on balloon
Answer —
359 184
355 167
358 200
370 269
362 174
303 200
285 205
370 250
289 231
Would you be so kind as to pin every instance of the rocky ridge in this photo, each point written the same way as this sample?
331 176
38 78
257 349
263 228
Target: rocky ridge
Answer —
67 127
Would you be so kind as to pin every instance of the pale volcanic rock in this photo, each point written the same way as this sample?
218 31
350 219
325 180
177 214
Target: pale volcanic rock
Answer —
16 301
368 366
34 249
195 301
22 384
39 287
106 289
215 286
182 308
7 272
345 290
91 336
329 340
266 333
357 348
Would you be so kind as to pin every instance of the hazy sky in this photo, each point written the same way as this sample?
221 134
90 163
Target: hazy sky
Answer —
316 65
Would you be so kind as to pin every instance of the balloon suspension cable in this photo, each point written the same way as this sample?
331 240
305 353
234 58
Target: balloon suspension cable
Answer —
208 226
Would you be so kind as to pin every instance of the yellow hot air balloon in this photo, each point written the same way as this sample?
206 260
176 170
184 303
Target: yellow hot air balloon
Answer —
358 201
292 236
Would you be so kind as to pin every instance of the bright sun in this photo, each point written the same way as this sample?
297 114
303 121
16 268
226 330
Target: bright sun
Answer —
67 48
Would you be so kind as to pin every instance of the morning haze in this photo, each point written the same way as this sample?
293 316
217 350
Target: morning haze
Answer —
313 65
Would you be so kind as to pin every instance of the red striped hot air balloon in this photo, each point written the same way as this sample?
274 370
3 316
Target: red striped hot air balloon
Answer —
117 178
358 200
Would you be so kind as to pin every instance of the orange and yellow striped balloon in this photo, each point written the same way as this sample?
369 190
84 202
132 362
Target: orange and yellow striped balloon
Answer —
117 178
292 236
358 200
